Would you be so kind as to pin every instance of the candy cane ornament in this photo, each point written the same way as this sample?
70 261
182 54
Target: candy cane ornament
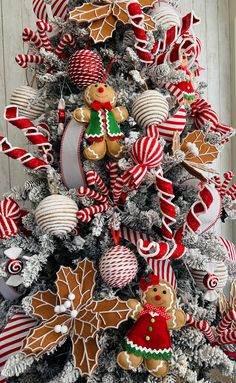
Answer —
112 168
30 36
168 208
85 215
94 179
66 40
136 16
21 155
203 326
23 60
226 322
86 192
44 27
30 131
228 176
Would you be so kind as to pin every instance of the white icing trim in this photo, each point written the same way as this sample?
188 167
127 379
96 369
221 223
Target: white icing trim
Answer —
145 349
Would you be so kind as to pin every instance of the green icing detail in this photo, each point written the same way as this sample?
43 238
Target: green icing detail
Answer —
189 96
148 280
156 354
150 328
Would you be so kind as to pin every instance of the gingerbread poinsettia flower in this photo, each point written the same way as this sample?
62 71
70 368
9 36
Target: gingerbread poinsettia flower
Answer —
197 153
103 17
72 312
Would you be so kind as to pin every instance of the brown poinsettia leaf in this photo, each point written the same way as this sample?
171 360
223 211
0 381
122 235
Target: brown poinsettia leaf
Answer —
44 338
111 312
120 11
149 23
85 353
101 30
233 295
86 324
43 304
86 275
197 137
176 143
67 282
90 12
147 3
207 154
194 172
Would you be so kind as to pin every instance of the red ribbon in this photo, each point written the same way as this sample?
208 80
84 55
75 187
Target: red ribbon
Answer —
159 310
97 105
9 218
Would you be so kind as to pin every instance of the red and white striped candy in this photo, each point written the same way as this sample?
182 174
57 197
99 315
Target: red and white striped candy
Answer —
93 178
159 251
86 192
229 248
173 89
58 8
23 60
85 67
176 123
29 35
133 236
203 326
147 153
44 27
118 266
228 337
66 40
85 215
112 168
13 336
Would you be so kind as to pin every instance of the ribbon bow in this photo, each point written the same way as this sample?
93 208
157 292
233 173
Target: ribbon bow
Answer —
158 310
97 105
9 218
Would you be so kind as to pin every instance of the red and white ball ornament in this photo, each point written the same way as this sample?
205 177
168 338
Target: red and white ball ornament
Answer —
85 67
118 266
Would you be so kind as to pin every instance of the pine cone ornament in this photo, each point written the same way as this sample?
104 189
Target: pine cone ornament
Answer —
85 67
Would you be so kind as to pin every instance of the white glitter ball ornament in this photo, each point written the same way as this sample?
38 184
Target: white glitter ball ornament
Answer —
56 215
150 108
25 97
85 67
165 15
118 266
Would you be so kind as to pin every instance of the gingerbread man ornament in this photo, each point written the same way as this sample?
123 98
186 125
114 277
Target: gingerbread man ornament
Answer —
149 340
103 118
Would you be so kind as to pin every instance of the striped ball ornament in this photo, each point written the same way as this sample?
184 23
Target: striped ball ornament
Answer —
85 68
175 123
56 215
150 108
229 248
118 266
25 97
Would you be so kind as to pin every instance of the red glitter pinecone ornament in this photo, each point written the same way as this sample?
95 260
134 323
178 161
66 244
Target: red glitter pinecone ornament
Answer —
85 67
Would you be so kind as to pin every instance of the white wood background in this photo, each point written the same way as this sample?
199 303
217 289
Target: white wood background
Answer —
215 58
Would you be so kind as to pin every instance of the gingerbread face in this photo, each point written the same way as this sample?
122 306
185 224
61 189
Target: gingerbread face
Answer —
161 295
100 92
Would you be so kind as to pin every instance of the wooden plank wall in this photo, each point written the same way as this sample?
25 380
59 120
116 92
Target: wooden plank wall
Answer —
215 58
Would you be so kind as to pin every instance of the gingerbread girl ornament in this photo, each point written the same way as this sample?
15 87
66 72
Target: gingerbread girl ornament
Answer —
149 340
103 118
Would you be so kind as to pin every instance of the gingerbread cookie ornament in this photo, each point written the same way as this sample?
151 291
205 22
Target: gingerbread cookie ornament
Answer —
103 118
149 340
72 312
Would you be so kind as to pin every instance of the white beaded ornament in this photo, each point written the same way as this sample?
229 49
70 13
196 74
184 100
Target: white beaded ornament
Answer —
118 266
165 15
85 67
150 108
56 215
23 97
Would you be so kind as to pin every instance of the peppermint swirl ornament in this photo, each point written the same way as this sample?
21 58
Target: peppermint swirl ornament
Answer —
210 281
14 266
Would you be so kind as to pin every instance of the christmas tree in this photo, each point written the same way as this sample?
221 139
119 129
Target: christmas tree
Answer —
114 273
